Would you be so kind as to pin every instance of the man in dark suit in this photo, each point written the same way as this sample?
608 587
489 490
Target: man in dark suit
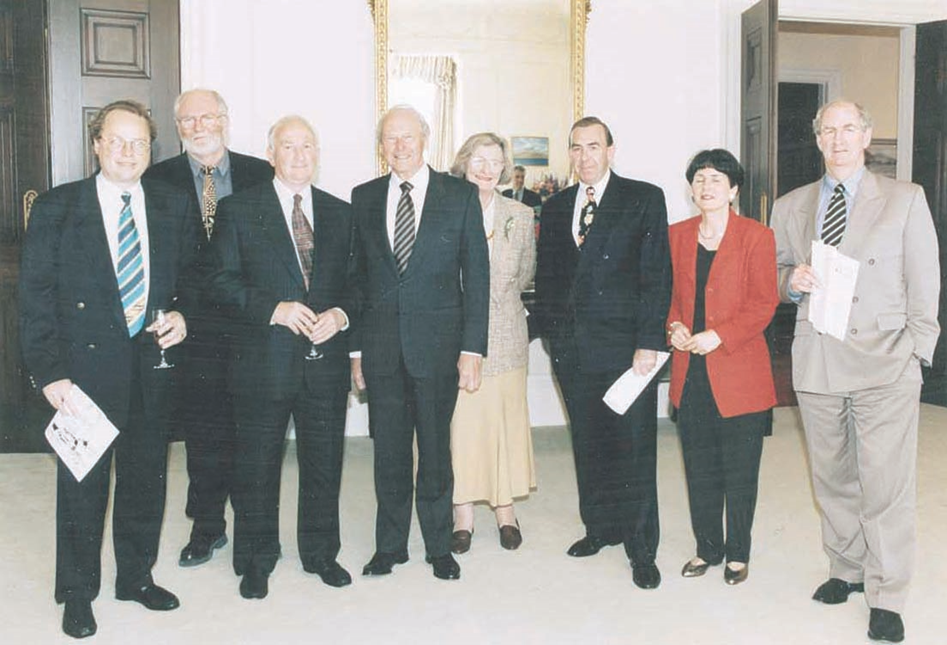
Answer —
603 287
424 281
519 192
99 256
279 264
208 171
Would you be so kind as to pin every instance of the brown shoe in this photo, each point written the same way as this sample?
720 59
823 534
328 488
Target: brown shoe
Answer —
510 536
460 541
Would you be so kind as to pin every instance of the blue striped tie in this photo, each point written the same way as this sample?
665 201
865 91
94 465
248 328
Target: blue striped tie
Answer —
131 269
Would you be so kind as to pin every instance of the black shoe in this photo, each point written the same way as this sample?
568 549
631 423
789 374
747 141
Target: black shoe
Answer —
885 625
330 571
445 566
510 536
835 591
381 563
590 545
255 585
460 541
77 619
646 576
736 576
201 549
151 596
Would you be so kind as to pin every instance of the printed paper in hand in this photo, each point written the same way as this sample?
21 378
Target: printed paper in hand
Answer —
80 440
830 305
629 385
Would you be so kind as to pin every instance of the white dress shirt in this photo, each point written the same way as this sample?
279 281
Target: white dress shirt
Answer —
418 191
111 205
581 200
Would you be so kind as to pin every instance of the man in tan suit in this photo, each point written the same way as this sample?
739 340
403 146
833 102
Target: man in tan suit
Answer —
859 397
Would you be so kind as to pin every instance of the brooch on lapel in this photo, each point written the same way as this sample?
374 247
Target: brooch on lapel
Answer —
507 228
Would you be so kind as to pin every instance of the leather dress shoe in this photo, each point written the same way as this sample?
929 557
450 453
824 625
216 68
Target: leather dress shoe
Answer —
381 563
460 541
77 619
692 570
590 545
254 585
736 576
835 591
445 566
150 596
510 536
330 571
646 576
200 549
884 625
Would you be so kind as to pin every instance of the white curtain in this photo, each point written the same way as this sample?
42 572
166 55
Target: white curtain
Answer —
440 71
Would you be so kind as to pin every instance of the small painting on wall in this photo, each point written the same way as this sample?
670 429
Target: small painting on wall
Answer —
530 151
882 157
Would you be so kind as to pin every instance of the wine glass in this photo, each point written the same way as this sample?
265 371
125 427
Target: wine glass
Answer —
314 353
157 316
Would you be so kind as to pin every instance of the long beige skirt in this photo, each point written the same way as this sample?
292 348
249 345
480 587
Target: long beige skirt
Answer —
491 445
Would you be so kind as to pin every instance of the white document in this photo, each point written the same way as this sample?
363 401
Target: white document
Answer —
80 440
831 304
629 385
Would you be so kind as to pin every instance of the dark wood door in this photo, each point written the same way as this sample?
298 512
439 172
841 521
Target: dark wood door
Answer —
930 171
799 161
60 61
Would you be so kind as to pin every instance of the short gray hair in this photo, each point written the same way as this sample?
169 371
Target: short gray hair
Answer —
863 114
286 120
222 108
459 167
403 107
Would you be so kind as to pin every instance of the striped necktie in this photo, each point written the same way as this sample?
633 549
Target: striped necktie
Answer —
404 228
131 269
209 199
834 225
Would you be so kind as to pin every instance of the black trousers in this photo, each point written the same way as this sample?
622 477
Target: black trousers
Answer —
399 405
319 416
140 453
206 416
722 464
615 459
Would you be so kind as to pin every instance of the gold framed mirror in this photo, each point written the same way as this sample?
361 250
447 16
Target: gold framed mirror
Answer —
549 63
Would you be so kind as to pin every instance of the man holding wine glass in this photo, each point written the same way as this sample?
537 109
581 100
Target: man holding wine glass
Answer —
99 255
279 266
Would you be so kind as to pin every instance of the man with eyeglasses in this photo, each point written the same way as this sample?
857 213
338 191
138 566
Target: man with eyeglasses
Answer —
209 171
859 397
100 255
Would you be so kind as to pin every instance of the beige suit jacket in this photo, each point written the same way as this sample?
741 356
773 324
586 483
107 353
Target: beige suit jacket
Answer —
894 309
512 266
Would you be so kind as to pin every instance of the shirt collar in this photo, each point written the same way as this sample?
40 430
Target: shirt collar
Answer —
418 182
851 184
223 166
110 191
285 193
598 186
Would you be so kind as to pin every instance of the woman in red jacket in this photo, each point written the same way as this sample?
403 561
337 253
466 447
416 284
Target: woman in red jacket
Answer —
721 381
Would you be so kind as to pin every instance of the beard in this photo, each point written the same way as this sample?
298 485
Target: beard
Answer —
207 146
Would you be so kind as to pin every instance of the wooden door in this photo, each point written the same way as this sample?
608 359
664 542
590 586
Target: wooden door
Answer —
930 171
60 61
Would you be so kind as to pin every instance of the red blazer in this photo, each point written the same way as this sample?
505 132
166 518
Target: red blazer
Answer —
741 297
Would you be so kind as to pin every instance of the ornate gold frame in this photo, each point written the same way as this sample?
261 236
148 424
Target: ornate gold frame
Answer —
579 11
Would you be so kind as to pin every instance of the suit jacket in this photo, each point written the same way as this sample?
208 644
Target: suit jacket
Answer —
72 324
245 171
611 297
894 310
530 198
440 306
253 267
512 266
740 299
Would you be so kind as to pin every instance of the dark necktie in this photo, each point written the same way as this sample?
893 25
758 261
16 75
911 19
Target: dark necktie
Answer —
209 199
833 228
404 228
587 216
302 235
131 269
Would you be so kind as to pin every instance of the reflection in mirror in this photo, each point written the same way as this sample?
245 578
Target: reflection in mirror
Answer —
513 67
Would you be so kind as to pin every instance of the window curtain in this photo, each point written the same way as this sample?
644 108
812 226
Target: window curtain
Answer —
441 71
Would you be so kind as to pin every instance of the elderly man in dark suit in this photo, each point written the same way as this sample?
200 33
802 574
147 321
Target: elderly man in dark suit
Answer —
209 171
424 278
279 267
520 192
859 397
100 255
603 285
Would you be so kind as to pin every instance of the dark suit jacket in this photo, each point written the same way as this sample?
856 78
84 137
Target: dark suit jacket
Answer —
431 313
254 268
740 299
611 297
72 324
245 171
530 198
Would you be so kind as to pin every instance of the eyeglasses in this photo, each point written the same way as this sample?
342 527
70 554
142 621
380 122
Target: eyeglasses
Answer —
207 120
849 128
117 144
480 162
